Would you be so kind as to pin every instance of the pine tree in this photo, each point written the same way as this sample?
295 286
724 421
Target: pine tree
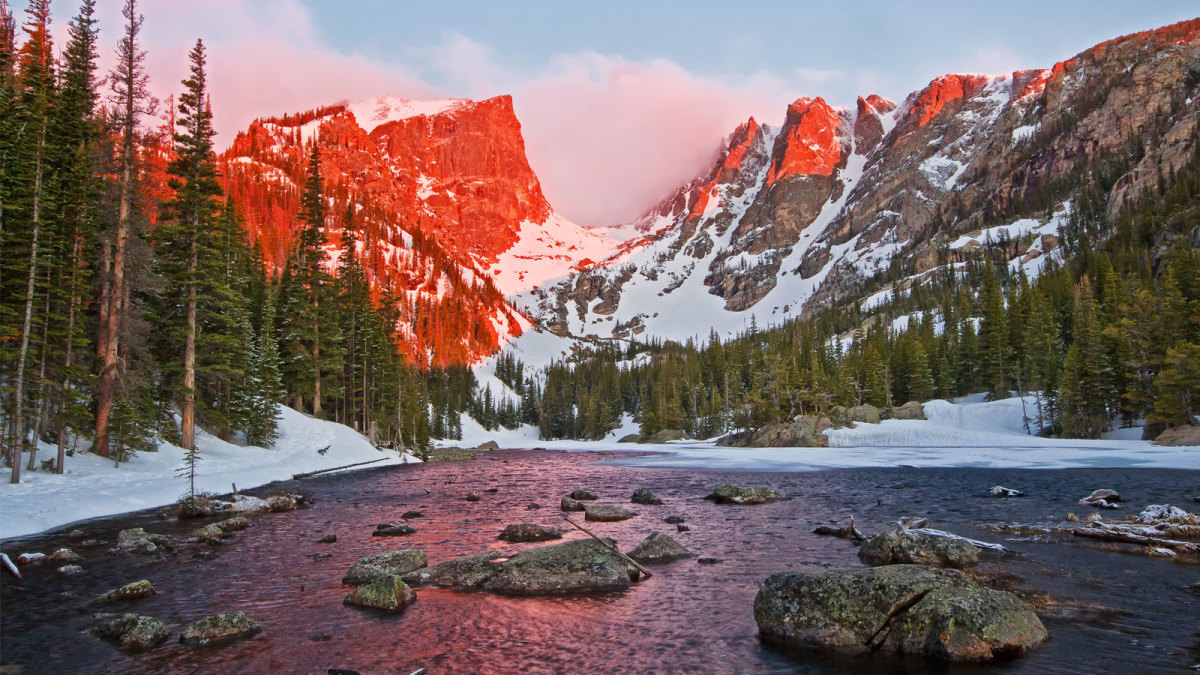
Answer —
993 336
1177 386
1082 400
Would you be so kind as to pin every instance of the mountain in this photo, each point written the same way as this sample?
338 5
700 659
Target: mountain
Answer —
839 204
447 215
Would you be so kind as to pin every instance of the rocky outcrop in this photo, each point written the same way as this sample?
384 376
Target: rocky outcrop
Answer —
1179 436
385 592
581 566
658 548
132 633
394 562
221 629
901 608
913 410
909 548
805 431
730 494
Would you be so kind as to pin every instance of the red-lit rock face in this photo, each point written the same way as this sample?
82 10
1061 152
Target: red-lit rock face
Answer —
811 143
868 127
739 143
1029 82
942 91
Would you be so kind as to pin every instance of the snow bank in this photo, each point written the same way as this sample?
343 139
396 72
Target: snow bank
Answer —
91 487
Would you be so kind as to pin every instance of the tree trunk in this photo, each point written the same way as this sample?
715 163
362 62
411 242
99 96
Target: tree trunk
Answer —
187 426
316 352
18 417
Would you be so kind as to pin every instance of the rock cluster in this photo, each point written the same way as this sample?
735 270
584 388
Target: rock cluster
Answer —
580 566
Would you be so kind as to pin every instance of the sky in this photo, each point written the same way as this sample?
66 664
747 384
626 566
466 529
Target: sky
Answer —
620 102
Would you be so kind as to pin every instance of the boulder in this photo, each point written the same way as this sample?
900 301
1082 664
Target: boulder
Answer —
673 520
220 629
77 535
473 496
234 524
64 555
606 513
209 532
908 609
866 413
488 446
412 514
569 504
1001 492
133 591
1179 436
730 494
328 539
805 431
583 495
396 562
579 566
69 570
908 548
913 410
658 548
132 633
137 540
645 496
391 530
1102 499
522 532
385 592
667 435
630 438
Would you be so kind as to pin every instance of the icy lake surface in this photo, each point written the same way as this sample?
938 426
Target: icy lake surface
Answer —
1106 611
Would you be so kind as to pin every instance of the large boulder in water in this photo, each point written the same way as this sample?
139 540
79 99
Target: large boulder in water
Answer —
908 548
909 609
132 633
731 494
580 566
385 592
658 548
394 562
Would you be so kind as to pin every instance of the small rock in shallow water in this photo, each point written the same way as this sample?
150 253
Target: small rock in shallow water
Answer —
682 528
710 561
569 504
70 570
473 497
385 592
64 555
76 535
1072 518
234 524
209 532
132 633
219 629
645 496
412 514
138 540
730 494
673 520
394 562
606 513
533 507
583 495
391 530
1001 491
522 532
133 591
658 548
328 539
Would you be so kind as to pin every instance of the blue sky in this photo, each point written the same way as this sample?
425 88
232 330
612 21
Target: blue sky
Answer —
619 101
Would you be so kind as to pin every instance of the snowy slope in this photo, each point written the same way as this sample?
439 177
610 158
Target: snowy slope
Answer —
91 487
547 252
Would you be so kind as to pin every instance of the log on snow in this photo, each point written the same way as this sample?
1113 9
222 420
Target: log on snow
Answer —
298 476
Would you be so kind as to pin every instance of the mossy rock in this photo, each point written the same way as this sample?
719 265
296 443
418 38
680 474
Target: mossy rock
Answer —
235 524
385 593
395 562
643 495
583 495
658 548
731 494
606 513
133 591
209 532
908 548
523 532
569 504
579 566
220 629
132 633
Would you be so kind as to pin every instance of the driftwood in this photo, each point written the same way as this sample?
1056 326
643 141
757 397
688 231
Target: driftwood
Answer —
848 532
1110 533
614 549
982 545
309 474
8 565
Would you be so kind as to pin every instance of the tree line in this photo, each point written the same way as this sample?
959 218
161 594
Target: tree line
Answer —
133 309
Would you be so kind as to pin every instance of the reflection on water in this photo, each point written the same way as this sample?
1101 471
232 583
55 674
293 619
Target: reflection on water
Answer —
1106 612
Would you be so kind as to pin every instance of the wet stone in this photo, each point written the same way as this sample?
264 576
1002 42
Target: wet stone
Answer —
220 629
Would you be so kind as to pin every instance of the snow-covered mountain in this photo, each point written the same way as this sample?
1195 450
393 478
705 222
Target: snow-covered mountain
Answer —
811 211
447 215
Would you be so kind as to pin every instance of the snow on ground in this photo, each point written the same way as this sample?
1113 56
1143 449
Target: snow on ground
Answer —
966 433
91 487
546 252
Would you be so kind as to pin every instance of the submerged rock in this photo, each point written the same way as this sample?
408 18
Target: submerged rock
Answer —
220 629
908 548
385 592
133 591
328 539
658 548
412 514
522 532
645 496
396 562
569 504
391 530
673 520
1001 492
69 570
900 608
729 494
473 496
132 633
606 513
580 566
583 495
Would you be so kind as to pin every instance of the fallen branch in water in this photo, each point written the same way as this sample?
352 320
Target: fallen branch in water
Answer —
848 532
610 547
308 474
982 545
1110 533
8 565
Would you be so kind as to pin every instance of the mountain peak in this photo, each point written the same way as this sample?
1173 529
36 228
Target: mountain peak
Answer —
811 141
